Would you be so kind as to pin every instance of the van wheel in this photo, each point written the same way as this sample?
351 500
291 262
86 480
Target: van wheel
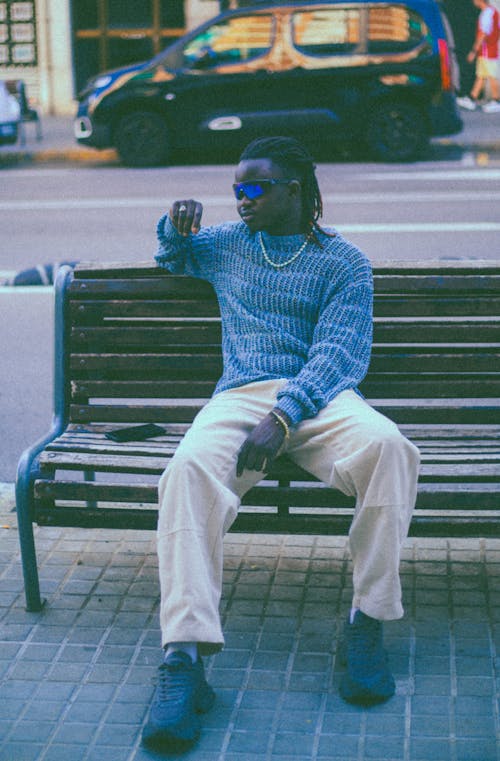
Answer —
396 132
141 139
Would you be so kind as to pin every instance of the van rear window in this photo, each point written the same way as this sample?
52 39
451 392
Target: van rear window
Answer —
326 31
395 29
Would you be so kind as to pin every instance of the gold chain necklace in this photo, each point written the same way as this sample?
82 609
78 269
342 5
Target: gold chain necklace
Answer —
279 265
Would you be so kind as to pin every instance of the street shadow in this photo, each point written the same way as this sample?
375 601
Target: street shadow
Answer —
322 152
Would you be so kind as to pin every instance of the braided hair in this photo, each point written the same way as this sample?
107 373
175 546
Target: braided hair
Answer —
295 160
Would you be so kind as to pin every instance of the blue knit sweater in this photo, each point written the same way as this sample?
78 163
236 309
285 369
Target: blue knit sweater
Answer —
309 322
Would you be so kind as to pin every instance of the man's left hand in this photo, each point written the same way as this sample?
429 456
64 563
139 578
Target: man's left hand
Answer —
262 445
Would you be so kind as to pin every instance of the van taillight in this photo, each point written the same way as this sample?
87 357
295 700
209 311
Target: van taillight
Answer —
444 59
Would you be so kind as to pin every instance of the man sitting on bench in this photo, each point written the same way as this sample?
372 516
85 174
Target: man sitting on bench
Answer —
296 306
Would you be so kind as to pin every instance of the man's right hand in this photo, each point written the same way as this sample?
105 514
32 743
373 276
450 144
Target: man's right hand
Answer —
186 216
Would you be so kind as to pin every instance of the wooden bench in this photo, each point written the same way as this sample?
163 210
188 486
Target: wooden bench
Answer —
135 344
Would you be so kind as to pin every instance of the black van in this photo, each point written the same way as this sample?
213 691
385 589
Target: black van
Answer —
369 73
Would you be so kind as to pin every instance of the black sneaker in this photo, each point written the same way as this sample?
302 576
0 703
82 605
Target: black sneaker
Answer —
368 679
182 693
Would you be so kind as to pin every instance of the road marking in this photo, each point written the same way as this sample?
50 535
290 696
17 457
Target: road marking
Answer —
415 197
14 290
422 227
225 200
22 173
459 174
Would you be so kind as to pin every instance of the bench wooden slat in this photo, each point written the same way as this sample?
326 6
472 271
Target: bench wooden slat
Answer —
155 465
470 304
419 360
464 332
180 413
175 364
408 359
400 267
165 446
334 525
138 288
406 362
327 499
437 284
99 429
173 389
93 312
201 335
431 497
134 413
484 333
91 438
90 313
102 463
161 282
422 525
432 432
438 386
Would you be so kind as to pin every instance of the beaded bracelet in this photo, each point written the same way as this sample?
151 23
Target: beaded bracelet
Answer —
283 423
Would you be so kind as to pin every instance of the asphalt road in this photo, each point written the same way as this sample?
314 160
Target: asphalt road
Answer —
434 210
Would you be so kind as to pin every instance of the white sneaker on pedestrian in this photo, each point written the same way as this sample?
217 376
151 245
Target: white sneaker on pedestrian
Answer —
493 107
467 103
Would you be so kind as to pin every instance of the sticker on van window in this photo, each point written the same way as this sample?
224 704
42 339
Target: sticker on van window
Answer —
225 123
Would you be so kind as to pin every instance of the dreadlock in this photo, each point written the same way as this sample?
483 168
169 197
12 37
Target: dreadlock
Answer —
294 159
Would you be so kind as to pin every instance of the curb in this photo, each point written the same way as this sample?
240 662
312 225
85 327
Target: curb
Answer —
486 147
79 155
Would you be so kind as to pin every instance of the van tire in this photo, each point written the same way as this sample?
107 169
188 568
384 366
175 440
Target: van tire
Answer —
141 139
396 132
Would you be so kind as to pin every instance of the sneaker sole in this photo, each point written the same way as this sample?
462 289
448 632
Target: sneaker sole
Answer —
357 695
204 699
164 742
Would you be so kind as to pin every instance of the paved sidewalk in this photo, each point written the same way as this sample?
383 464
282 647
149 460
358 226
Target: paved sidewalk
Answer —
480 135
77 679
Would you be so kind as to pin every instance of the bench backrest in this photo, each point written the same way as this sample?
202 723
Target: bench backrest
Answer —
143 345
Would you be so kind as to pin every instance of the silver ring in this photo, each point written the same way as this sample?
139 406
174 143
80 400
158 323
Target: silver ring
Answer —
182 209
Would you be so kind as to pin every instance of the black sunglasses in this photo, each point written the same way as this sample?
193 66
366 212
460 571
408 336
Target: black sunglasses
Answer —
255 189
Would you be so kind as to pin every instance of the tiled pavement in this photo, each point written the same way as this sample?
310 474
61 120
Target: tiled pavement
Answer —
76 680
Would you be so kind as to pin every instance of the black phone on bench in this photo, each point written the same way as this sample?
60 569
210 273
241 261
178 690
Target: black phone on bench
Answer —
136 432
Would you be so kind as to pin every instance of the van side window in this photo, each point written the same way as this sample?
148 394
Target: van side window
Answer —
234 40
326 32
395 29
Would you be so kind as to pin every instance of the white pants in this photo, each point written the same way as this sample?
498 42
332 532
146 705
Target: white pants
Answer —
348 445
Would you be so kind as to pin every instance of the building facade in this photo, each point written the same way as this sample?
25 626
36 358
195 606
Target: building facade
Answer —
56 45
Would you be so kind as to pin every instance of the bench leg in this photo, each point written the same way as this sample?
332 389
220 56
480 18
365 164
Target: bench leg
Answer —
89 475
27 541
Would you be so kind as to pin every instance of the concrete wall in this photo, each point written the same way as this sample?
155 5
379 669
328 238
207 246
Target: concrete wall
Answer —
56 65
198 11
50 83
